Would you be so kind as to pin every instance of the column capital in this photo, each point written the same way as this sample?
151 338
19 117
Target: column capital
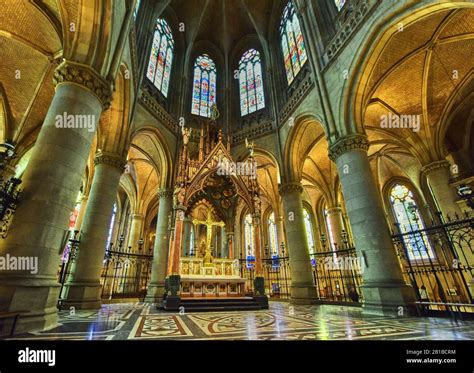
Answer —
137 216
347 143
165 193
291 187
110 159
434 166
85 76
334 210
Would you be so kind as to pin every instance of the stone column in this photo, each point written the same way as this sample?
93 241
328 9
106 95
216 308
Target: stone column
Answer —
156 288
280 232
50 186
383 287
83 289
230 244
186 236
135 231
82 212
438 175
337 225
302 290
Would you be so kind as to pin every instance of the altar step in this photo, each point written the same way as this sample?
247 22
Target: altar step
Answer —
221 304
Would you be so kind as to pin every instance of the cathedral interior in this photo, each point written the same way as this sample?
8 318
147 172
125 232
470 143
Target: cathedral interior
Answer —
236 169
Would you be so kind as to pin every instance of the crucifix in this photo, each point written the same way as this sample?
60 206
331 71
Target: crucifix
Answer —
209 223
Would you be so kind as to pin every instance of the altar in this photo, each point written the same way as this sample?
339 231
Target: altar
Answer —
221 278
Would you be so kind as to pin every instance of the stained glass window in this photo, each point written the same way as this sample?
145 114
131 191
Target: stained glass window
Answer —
248 231
161 57
292 42
135 10
309 230
204 86
111 227
272 234
408 217
191 242
339 4
252 97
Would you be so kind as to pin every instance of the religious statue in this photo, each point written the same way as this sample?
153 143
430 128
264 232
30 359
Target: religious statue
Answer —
202 249
186 132
214 112
209 223
185 269
250 146
179 195
228 269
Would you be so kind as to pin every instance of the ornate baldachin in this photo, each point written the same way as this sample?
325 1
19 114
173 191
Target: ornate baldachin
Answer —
290 188
346 144
110 159
434 166
72 72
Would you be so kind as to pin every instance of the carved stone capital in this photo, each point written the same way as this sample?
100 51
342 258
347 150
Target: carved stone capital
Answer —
434 166
110 159
85 76
165 193
346 144
290 188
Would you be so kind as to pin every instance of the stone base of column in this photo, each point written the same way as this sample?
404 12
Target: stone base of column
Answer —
303 294
37 305
155 293
83 296
388 299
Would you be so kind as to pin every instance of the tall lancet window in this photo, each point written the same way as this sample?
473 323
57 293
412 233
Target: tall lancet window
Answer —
111 227
408 218
204 86
248 231
292 42
161 57
252 97
191 242
135 10
309 230
339 4
272 234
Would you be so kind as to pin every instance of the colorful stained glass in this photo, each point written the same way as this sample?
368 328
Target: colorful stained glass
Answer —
252 97
161 57
292 42
204 86
309 230
409 220
339 4
248 228
135 10
272 234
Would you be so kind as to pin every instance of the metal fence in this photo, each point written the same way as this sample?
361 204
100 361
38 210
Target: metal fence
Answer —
337 276
276 271
125 275
438 261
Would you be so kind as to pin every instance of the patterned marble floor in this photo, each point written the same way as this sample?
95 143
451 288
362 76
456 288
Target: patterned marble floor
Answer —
281 322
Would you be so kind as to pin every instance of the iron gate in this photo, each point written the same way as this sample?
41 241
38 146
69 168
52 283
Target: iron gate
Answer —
438 262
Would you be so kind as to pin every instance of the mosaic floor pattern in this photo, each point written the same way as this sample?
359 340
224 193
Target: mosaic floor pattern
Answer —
281 322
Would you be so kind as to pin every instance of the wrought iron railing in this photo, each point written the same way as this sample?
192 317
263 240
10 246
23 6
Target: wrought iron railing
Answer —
337 275
125 275
276 271
438 261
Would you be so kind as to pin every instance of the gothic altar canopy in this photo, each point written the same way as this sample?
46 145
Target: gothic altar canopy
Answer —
207 191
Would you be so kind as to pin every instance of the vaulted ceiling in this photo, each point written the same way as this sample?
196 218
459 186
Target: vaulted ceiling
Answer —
224 22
